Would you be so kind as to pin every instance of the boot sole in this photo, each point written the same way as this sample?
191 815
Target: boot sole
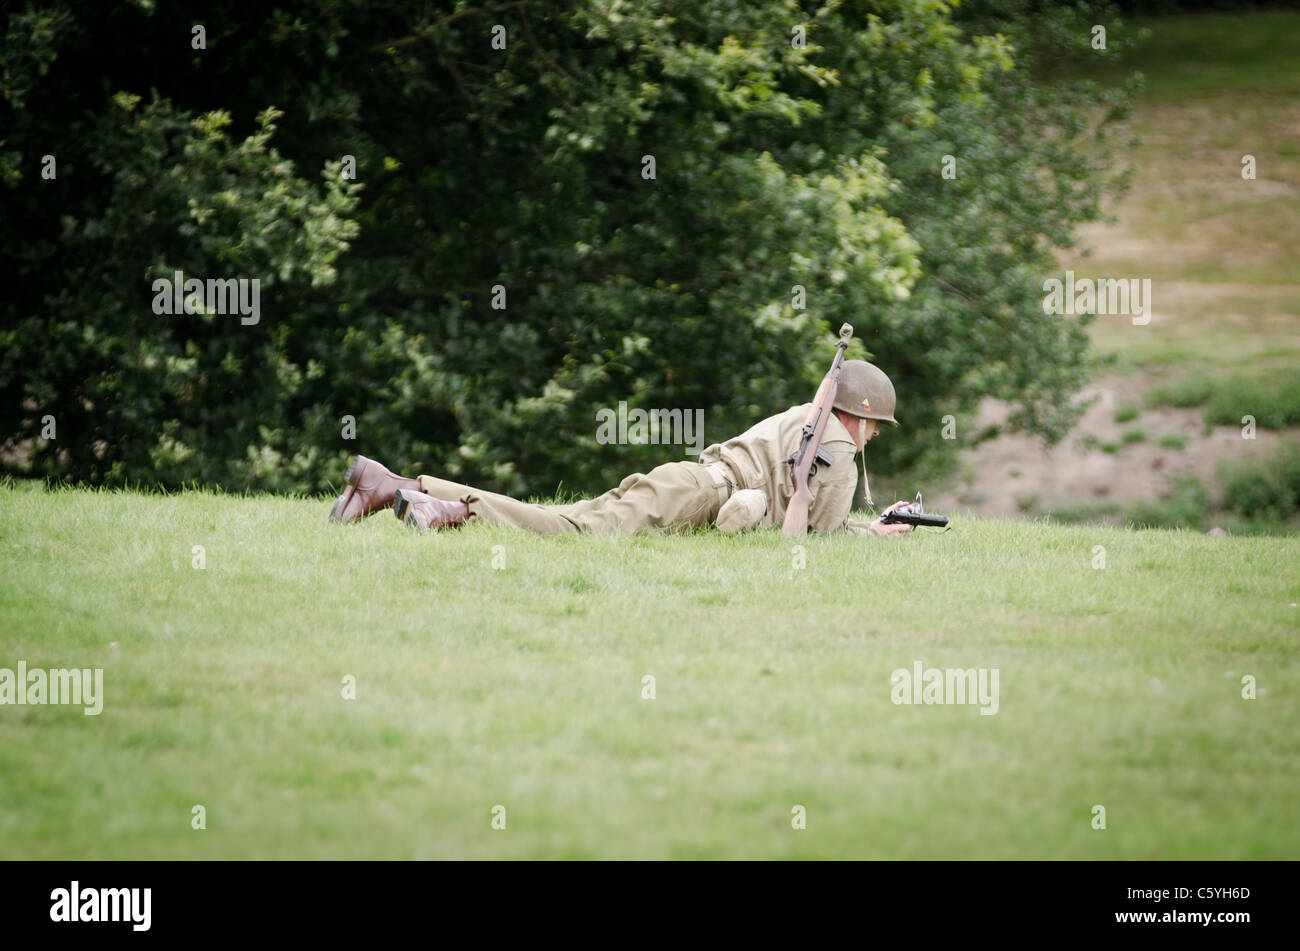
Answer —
336 513
355 468
351 478
405 514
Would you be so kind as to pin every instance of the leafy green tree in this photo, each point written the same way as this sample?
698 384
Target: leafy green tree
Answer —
555 209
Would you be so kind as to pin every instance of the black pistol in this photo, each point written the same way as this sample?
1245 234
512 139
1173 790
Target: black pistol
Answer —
914 514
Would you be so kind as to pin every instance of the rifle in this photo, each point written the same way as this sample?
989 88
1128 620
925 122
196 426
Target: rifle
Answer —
810 451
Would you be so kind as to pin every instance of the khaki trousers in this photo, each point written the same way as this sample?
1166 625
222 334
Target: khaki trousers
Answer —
674 495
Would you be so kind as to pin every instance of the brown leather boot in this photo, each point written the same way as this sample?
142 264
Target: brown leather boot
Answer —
370 487
426 512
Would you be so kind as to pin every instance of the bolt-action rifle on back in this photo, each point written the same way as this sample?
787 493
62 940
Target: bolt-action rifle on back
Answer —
811 453
803 464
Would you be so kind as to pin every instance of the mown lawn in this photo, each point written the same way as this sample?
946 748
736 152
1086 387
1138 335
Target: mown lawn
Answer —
521 686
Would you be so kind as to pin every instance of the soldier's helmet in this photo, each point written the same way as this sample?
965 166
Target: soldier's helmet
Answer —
865 391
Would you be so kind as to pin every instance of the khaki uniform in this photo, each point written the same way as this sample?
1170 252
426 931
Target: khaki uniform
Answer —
757 459
689 494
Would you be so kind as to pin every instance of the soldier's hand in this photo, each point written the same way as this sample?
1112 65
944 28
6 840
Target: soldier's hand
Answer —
878 527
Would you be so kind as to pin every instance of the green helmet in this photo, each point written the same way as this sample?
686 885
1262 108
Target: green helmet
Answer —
865 391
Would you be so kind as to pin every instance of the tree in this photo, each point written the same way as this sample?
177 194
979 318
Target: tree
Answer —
554 210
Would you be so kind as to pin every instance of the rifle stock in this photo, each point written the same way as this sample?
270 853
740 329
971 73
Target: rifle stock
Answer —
801 463
796 512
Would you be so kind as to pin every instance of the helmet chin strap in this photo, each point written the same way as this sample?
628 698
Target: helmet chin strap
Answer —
862 438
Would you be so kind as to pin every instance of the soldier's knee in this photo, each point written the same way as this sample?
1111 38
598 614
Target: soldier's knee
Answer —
742 511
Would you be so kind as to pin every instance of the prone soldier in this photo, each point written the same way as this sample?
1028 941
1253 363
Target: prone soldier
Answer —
738 485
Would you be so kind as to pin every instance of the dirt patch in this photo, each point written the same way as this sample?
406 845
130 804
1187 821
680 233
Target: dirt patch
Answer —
1013 475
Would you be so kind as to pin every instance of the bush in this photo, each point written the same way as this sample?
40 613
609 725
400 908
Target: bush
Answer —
1184 394
1273 400
1126 413
1186 507
1027 502
1133 435
1266 489
1075 512
1173 441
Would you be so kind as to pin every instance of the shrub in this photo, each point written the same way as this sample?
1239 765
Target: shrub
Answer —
1184 394
1273 400
1074 512
1266 488
1027 502
1185 507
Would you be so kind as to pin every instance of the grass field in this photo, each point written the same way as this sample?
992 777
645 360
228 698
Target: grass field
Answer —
1220 250
521 686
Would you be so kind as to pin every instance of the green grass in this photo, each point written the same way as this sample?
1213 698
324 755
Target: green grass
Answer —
1130 436
1185 56
1126 414
1173 441
1220 250
522 687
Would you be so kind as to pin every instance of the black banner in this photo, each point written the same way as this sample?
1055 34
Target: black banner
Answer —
1219 901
